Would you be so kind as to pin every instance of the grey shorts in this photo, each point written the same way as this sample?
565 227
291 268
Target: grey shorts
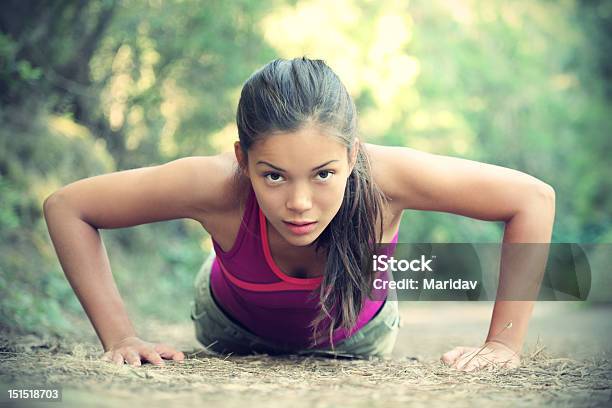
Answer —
222 334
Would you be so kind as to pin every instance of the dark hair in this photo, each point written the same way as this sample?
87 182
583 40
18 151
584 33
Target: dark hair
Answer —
285 96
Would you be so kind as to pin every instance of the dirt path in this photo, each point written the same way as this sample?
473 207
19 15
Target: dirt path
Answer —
573 369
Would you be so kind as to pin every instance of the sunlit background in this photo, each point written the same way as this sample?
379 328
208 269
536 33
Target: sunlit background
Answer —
93 87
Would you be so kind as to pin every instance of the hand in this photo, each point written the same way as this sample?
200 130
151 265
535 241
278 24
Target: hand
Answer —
492 355
132 350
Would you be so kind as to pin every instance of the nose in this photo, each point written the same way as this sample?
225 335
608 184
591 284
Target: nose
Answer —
299 199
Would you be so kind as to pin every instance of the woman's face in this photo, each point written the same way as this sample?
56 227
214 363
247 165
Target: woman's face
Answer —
299 177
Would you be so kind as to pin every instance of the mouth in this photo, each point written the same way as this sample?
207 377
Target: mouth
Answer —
299 223
301 229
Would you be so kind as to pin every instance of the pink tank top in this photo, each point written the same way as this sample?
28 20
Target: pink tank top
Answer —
250 287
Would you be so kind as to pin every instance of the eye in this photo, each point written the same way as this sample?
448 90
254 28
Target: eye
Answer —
328 174
274 180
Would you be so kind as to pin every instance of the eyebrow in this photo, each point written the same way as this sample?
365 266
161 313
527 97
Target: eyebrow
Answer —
284 171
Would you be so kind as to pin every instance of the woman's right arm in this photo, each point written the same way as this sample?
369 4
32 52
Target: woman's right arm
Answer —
190 187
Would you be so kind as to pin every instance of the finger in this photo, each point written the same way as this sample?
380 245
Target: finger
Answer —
469 365
464 361
132 357
117 358
168 352
451 357
512 363
152 356
476 362
107 356
179 356
471 354
506 363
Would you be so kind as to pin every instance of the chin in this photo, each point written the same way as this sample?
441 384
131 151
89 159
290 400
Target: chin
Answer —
302 241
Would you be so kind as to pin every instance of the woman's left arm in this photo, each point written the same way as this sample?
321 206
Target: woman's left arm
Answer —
520 275
423 181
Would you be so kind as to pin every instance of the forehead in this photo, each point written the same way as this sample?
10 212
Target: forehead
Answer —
306 145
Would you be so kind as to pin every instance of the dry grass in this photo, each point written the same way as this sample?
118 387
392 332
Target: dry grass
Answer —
298 381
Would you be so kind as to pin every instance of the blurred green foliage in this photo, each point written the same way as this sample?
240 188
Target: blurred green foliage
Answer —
93 87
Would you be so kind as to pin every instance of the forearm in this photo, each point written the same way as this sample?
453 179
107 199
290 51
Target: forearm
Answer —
521 269
83 258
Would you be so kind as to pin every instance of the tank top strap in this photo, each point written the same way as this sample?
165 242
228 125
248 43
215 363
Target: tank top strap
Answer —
248 227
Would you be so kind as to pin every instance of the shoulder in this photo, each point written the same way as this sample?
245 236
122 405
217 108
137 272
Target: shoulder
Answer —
219 175
410 178
419 180
382 162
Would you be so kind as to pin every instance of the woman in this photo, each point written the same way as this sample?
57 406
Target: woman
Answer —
295 214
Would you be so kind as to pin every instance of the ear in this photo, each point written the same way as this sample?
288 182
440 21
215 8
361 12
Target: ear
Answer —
241 159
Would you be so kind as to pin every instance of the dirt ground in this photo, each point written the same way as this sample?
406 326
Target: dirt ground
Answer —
566 362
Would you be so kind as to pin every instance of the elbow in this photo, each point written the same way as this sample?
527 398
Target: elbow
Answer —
47 203
60 204
546 193
544 200
538 197
51 202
